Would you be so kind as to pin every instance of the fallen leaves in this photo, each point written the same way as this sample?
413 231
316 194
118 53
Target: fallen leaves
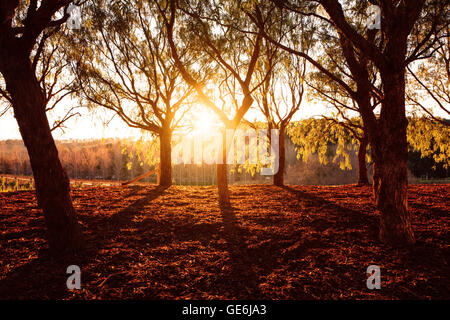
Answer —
298 242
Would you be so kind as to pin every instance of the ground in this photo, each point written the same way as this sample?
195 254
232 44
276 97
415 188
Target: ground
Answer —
296 242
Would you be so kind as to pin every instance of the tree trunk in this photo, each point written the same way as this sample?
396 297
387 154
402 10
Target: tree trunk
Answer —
52 183
362 168
391 167
222 184
278 178
165 148
222 175
375 180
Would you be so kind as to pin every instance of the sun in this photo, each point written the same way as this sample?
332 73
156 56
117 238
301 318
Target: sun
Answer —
203 123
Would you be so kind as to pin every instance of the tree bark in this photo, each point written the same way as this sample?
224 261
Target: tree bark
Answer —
391 167
278 178
52 183
165 148
222 175
362 167
375 180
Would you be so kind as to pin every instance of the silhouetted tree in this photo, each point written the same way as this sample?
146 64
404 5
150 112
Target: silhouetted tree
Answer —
21 27
124 64
215 30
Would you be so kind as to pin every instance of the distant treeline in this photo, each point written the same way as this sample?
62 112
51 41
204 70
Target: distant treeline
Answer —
123 159
83 159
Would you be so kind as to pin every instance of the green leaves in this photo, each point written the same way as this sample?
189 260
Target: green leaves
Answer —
330 140
430 138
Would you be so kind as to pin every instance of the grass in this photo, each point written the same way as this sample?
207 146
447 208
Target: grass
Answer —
435 181
14 185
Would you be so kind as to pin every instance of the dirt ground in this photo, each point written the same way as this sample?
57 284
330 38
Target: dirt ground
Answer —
297 242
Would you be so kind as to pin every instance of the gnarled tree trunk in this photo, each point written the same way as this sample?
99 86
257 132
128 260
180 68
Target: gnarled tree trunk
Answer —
51 181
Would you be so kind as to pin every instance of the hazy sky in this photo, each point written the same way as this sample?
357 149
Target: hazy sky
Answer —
91 125
87 126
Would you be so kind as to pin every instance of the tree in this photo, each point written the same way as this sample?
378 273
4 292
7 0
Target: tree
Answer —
280 95
352 87
327 138
21 27
390 52
50 62
214 28
387 134
344 80
342 104
125 66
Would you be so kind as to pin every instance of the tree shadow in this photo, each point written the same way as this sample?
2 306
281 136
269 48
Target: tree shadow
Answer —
45 277
242 279
361 228
347 218
125 215
139 247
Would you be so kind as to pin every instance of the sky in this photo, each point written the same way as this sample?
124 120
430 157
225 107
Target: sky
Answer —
102 123
86 126
91 125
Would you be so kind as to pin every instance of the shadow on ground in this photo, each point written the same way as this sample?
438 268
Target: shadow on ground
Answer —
273 243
